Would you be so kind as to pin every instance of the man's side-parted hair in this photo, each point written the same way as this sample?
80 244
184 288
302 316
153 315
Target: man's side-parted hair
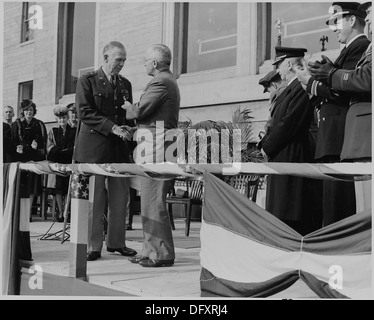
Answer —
113 44
8 107
162 54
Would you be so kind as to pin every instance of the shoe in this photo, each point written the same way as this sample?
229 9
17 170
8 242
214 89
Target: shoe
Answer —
125 251
137 259
128 227
93 255
150 263
60 219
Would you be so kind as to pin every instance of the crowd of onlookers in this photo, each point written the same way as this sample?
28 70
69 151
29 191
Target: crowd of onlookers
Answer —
26 139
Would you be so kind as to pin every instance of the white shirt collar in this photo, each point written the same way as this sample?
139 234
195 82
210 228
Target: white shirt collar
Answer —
353 39
107 74
292 80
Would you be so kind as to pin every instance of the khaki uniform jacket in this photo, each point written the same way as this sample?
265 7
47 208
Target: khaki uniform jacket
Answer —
99 109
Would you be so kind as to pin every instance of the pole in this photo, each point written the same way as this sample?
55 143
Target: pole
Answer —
68 199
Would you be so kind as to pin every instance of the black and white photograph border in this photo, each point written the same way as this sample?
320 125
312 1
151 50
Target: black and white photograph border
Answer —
230 241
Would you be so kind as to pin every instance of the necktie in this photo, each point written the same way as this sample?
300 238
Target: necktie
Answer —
338 62
113 81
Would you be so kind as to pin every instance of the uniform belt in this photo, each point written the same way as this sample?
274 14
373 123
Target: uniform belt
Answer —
360 98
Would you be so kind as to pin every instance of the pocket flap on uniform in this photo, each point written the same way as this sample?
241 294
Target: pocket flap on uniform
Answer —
364 114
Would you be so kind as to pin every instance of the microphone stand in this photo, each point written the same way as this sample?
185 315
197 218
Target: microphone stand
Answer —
68 197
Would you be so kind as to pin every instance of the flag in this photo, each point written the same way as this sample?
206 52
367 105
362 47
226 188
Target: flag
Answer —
248 252
80 207
11 238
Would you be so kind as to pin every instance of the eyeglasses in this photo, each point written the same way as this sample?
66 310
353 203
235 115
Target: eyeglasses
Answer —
146 60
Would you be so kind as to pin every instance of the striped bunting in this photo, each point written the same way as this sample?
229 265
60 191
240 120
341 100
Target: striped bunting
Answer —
247 252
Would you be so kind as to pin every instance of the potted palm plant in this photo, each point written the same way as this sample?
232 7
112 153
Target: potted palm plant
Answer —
218 141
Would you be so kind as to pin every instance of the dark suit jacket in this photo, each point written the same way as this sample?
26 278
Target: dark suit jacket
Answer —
99 109
8 147
357 138
334 105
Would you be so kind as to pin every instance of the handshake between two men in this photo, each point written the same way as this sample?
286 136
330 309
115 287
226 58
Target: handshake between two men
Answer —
124 132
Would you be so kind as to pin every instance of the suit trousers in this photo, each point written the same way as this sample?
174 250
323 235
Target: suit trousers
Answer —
110 193
158 239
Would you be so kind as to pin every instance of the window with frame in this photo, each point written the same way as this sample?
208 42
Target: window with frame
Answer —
27 33
77 41
209 36
301 25
25 91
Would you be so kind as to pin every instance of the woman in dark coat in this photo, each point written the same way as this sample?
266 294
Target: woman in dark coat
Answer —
60 147
29 136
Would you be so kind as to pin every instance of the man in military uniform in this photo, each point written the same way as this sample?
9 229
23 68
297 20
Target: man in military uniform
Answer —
357 83
101 139
348 23
358 125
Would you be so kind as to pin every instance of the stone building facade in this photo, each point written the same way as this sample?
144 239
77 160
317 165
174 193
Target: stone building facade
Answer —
220 50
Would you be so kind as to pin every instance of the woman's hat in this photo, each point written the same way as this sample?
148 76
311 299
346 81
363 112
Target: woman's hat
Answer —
60 111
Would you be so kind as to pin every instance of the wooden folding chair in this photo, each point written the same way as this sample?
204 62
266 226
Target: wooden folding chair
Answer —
246 184
192 196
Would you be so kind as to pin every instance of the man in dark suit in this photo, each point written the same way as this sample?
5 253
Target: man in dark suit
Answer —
348 23
287 140
101 136
157 115
8 148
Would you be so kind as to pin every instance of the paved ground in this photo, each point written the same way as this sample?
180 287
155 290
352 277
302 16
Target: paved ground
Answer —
117 276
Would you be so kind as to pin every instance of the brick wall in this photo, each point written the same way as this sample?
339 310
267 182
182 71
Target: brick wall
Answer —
137 26
32 60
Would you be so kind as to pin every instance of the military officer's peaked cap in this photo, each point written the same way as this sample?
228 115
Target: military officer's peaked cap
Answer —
339 9
60 111
270 77
364 6
71 107
282 53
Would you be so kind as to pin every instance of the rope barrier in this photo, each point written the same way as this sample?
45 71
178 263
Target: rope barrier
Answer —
332 171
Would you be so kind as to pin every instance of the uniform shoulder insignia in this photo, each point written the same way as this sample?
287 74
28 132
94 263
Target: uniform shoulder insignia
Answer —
91 74
346 76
